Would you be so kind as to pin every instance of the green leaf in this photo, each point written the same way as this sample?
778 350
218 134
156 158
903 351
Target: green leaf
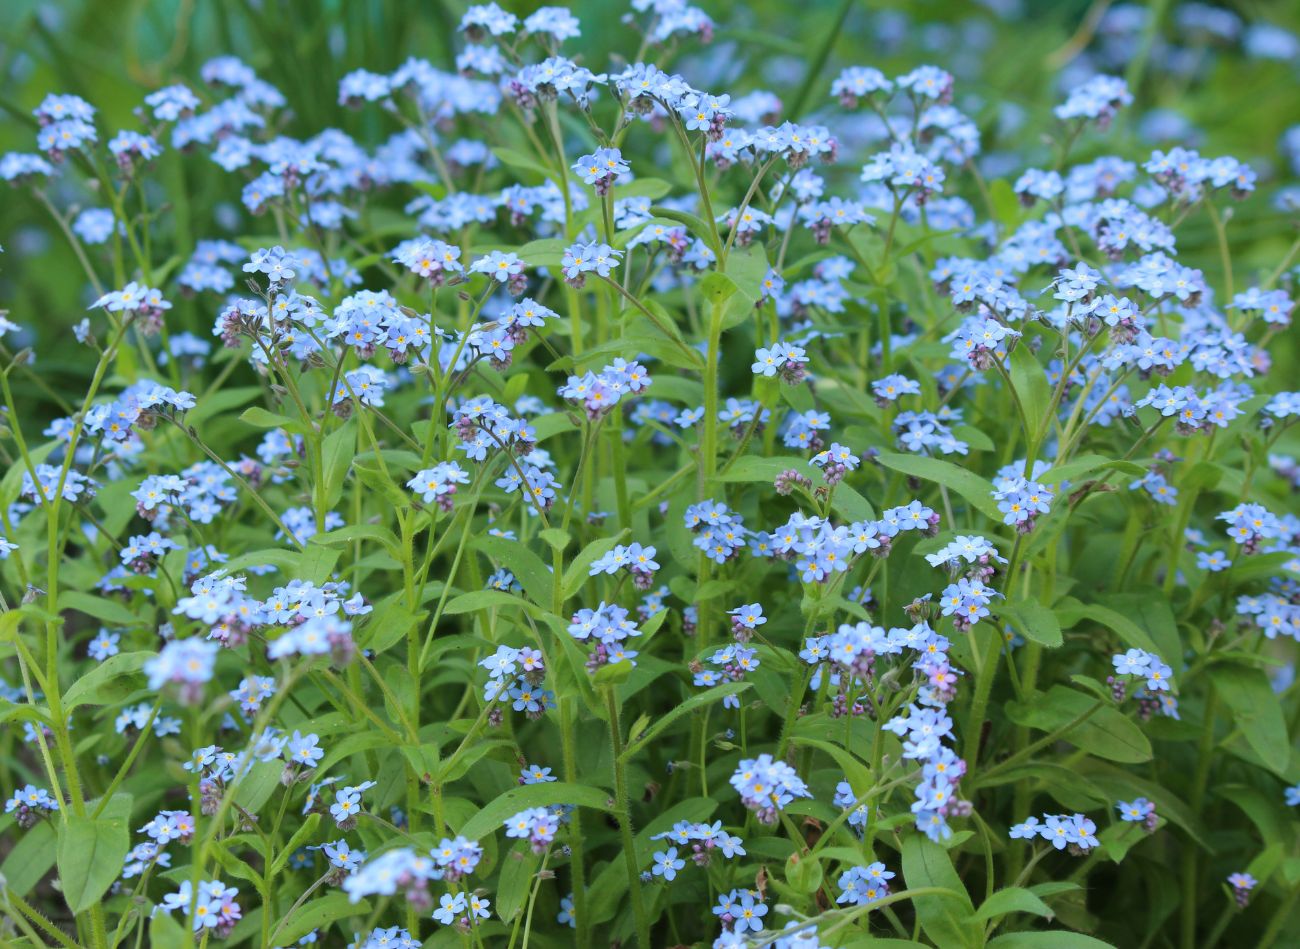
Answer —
717 287
11 620
233 865
390 622
11 483
255 788
372 476
316 563
1106 732
167 933
91 851
556 538
1120 784
259 417
851 504
494 814
111 681
1072 470
1054 888
1067 786
651 626
30 859
299 838
533 575
856 771
286 560
222 401
109 611
522 162
613 673
747 266
355 532
755 468
1033 621
1264 565
318 914
974 437
976 490
804 874
1071 612
696 224
575 574
1291 871
339 449
353 744
1049 939
1151 611
10 711
485 599
1029 380
1006 206
1256 711
945 917
547 252
423 759
695 702
641 335
455 768
1117 839
1267 812
610 884
652 188
1013 899
518 867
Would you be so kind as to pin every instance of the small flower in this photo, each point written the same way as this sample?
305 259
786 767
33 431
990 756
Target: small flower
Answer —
666 863
104 645
1242 884
498 265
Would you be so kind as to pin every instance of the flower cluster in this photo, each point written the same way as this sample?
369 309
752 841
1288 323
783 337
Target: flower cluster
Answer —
860 886
537 825
598 394
639 561
30 804
1075 831
211 906
517 676
1138 811
766 786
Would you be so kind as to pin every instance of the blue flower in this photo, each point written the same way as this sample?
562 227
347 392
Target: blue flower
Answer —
104 645
304 749
1028 829
1135 811
450 907
666 863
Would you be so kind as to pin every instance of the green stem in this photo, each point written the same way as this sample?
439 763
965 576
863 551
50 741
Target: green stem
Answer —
984 677
1138 64
145 731
17 902
577 870
792 711
1042 743
709 436
1195 800
624 815
815 65
1275 925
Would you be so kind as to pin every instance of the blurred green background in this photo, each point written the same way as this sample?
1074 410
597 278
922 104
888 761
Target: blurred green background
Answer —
1008 55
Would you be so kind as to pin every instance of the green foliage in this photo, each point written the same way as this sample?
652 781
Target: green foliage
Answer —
650 714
